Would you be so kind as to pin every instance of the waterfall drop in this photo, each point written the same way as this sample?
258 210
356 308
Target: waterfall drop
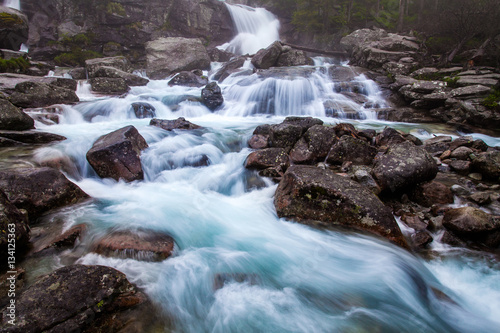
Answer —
16 4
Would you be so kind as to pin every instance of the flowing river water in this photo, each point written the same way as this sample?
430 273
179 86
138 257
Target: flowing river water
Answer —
279 276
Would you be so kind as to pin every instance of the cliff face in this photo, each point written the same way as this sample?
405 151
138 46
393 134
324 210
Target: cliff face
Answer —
123 26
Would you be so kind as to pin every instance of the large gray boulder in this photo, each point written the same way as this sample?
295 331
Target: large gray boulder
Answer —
403 166
38 190
36 95
266 58
12 118
13 28
315 196
119 62
117 155
130 79
109 85
488 164
166 56
75 298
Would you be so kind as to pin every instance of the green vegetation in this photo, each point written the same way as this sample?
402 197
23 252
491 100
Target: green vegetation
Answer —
492 101
15 65
79 50
8 20
115 8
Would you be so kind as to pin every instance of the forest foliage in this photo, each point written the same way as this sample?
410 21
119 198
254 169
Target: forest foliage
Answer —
448 26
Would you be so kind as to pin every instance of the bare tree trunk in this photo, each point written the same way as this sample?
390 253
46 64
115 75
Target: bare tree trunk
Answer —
480 51
349 10
457 48
401 15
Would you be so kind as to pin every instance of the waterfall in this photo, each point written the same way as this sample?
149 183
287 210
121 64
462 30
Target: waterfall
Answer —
257 28
16 4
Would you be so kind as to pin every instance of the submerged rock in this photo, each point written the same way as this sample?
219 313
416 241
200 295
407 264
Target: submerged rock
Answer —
188 79
140 245
312 195
74 298
38 190
117 155
143 110
170 125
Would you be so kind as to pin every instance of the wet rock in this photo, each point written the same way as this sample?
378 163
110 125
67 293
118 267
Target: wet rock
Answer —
483 198
473 224
431 193
229 68
267 158
266 58
130 79
258 141
188 79
221 279
462 153
111 86
143 110
69 237
218 55
78 73
438 144
291 57
404 165
314 145
38 190
488 164
92 65
32 137
36 94
117 155
73 298
140 245
211 96
12 118
312 195
177 124
285 135
166 56
389 137
362 175
421 239
14 28
12 222
461 167
353 150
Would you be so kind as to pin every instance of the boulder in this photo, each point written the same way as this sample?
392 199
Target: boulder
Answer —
31 137
143 110
314 145
211 96
267 158
74 298
92 65
470 92
258 141
188 79
139 245
36 94
473 224
403 166
349 149
362 175
438 144
488 164
111 72
266 58
38 190
312 195
14 223
166 56
432 193
229 68
12 118
462 153
13 28
177 124
117 155
292 57
286 134
389 137
111 86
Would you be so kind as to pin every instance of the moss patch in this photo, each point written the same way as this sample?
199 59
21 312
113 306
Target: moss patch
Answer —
15 65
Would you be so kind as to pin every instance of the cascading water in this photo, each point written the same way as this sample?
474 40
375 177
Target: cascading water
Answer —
277 276
16 4
257 28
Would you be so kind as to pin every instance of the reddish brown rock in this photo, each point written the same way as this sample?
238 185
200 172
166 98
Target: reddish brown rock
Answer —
431 193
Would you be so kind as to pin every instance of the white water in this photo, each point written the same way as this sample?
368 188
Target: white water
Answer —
223 220
257 28
16 4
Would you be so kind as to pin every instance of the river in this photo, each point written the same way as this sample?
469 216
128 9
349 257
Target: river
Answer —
279 276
